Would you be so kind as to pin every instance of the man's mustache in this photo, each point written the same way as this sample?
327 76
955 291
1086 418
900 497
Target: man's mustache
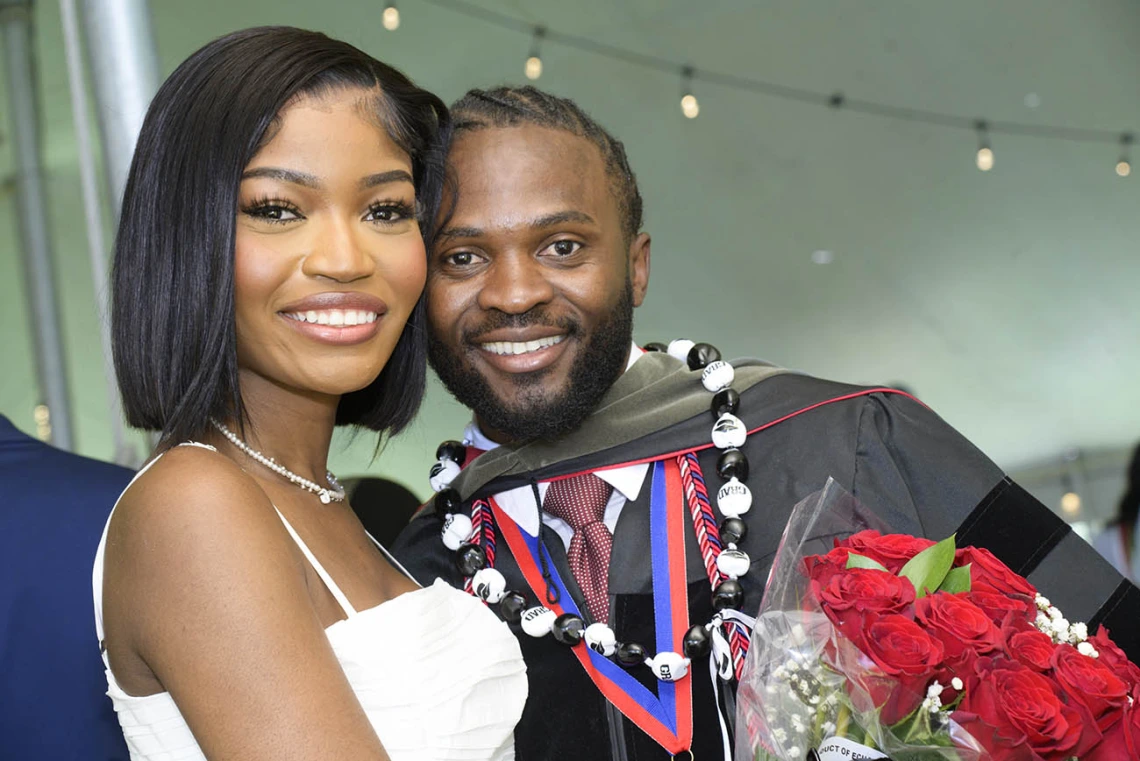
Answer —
532 319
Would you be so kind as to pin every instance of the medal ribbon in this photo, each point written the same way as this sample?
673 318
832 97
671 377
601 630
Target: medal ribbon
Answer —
668 716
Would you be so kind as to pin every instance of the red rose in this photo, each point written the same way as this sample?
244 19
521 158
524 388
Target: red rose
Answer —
1091 682
851 595
1122 741
1000 607
907 656
1033 648
891 550
987 572
1018 714
959 625
1113 657
820 568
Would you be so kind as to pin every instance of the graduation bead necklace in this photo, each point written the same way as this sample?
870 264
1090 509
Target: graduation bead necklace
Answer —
472 539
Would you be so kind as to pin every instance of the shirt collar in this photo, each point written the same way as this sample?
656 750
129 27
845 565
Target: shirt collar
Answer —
626 480
518 503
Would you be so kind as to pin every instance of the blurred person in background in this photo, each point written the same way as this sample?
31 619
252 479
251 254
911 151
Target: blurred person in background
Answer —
384 507
1118 541
52 511
266 288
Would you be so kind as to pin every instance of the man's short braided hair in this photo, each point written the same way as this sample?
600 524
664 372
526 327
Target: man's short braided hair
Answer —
513 106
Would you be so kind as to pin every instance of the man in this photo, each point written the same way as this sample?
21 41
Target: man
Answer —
533 277
53 702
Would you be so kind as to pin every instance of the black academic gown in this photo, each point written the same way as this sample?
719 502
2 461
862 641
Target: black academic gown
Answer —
893 454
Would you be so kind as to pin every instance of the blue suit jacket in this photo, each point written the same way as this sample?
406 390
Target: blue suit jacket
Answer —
53 505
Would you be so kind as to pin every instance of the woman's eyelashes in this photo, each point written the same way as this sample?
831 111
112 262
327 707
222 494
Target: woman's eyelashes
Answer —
391 212
282 211
272 210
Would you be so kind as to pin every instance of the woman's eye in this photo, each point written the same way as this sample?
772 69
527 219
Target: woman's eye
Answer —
389 213
273 213
565 247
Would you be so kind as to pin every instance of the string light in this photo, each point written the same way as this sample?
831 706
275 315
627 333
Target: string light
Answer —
42 415
1071 503
533 68
689 105
1070 499
1123 165
985 157
834 100
391 17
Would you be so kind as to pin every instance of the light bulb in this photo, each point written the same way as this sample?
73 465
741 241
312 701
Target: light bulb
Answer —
822 256
985 160
689 106
533 67
1071 502
1123 168
391 18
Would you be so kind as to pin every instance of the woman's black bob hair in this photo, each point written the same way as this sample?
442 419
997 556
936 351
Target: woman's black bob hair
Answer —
172 281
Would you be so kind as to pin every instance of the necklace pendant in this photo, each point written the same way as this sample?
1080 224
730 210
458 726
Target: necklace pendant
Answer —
325 499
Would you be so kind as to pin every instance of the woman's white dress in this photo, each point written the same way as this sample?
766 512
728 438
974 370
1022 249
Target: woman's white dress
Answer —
438 674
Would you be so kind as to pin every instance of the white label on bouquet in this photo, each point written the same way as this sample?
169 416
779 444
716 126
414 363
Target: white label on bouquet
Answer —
842 749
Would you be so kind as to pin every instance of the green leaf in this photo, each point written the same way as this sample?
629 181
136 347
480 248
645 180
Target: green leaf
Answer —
957 580
861 561
928 569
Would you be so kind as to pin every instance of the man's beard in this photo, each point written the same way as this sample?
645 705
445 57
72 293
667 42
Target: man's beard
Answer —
532 413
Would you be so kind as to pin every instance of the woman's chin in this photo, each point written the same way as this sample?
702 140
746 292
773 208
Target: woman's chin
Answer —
338 382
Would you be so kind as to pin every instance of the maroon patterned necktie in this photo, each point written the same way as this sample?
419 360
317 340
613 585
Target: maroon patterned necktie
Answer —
581 502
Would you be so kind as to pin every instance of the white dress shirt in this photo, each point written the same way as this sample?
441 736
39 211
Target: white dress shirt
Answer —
519 504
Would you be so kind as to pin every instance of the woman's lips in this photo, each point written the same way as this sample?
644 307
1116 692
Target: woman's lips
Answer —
335 326
336 317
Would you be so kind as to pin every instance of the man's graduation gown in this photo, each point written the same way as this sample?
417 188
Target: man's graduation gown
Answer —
892 453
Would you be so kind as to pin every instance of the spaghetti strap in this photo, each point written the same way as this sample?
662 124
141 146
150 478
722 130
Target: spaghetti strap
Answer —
97 568
392 559
349 611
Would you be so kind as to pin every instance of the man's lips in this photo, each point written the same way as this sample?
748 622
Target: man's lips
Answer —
521 353
516 348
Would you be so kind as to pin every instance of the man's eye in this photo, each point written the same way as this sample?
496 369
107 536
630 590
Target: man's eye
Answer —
564 247
461 259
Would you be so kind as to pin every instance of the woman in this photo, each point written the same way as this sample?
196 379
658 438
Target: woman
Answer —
267 285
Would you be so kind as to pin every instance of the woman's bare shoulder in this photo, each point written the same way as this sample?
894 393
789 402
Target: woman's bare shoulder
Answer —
192 510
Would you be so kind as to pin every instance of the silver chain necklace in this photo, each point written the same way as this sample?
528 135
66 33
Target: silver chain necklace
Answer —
334 494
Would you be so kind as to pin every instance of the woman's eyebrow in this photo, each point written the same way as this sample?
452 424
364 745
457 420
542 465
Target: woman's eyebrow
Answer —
385 178
285 175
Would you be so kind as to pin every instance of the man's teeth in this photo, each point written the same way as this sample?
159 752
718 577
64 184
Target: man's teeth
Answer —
334 317
521 347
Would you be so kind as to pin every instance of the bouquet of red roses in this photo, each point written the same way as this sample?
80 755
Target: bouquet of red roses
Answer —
873 645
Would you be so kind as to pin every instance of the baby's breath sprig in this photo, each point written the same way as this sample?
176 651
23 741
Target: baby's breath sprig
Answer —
1051 621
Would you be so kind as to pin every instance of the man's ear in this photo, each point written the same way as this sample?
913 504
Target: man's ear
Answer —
639 267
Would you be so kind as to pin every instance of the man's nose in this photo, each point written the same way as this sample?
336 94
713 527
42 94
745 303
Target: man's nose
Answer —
516 283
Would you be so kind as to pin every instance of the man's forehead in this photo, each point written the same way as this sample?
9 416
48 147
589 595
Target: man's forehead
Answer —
508 177
500 159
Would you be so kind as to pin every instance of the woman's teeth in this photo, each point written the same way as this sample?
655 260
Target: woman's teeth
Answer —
521 347
334 317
